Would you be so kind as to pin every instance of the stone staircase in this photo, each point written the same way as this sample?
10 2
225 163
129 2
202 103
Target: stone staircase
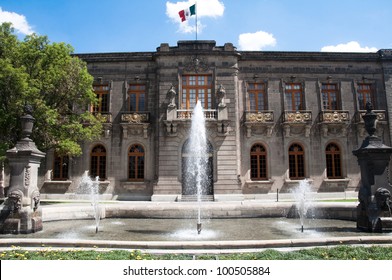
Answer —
193 198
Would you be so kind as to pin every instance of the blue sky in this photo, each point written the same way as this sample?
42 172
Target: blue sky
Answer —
272 25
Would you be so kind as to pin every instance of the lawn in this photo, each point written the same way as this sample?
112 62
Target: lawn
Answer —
334 253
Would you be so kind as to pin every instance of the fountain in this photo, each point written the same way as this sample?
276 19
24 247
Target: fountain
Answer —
87 185
303 200
21 212
239 225
197 164
373 212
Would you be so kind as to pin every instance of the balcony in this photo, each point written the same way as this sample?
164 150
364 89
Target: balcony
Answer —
184 114
179 117
135 123
297 123
259 123
380 124
334 123
107 122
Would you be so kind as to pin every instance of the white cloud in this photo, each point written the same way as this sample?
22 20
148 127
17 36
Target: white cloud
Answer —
352 46
256 41
18 21
205 8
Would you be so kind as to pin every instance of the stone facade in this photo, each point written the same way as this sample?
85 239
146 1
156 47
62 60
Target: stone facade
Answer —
232 127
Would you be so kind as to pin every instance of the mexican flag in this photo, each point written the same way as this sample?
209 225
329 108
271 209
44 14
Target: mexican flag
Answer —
185 14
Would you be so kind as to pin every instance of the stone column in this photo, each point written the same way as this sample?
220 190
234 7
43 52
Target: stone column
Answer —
21 212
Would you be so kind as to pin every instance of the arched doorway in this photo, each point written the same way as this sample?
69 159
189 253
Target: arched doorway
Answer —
189 178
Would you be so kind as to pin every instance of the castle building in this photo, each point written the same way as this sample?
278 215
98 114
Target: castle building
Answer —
272 120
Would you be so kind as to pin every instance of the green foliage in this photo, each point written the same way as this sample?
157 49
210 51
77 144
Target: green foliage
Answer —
58 86
322 253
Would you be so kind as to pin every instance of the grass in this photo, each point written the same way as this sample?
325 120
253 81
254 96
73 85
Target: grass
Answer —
343 252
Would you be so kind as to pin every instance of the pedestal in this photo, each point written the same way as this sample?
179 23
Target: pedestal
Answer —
25 220
20 212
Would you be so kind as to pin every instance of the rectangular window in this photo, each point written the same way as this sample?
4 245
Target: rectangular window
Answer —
195 88
294 97
103 93
330 94
257 97
60 167
365 94
136 98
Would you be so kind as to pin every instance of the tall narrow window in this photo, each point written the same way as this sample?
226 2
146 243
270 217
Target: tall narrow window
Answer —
60 167
333 161
103 93
136 98
136 163
258 162
98 162
330 97
257 97
195 88
365 94
296 162
294 97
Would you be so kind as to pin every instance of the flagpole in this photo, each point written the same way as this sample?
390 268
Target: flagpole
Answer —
196 17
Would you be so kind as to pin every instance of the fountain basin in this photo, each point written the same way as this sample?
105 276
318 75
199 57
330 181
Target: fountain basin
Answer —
186 210
171 226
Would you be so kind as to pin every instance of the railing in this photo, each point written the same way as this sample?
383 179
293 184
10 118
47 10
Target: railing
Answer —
186 114
297 116
105 115
135 117
259 117
334 116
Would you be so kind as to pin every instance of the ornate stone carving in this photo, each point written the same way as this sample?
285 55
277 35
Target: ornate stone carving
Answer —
334 122
220 95
135 123
134 118
296 123
383 199
36 199
297 117
27 176
14 201
335 117
171 95
196 64
258 123
260 117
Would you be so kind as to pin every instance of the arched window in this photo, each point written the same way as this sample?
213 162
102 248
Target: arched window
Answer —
136 163
296 162
333 161
258 162
98 162
60 167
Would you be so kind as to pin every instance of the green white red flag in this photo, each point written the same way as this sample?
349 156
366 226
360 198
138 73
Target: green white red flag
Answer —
187 13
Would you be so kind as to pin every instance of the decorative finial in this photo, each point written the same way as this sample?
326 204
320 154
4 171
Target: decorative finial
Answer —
28 109
369 107
370 119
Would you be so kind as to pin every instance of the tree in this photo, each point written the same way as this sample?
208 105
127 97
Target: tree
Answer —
57 85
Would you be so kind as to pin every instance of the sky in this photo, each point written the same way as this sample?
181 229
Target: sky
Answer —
92 26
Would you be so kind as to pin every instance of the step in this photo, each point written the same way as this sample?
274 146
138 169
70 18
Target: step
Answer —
193 198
